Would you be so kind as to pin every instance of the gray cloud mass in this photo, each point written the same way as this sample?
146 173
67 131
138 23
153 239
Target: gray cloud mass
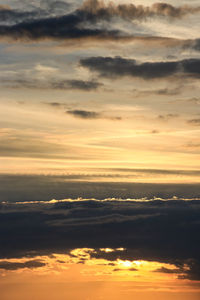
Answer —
164 231
118 67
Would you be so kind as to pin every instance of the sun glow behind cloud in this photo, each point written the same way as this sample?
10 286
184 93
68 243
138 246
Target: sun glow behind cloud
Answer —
81 263
60 272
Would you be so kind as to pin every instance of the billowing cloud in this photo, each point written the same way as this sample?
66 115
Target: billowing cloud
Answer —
130 11
118 67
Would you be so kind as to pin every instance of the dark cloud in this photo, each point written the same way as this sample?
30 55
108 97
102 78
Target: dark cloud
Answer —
9 16
193 270
11 266
164 231
118 67
56 20
84 114
63 27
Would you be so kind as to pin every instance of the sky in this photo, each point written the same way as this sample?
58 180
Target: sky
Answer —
99 149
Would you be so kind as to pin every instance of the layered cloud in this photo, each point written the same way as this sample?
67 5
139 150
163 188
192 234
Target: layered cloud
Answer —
51 84
59 98
58 22
34 187
164 230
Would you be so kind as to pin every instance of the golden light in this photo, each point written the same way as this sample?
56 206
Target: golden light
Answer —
124 263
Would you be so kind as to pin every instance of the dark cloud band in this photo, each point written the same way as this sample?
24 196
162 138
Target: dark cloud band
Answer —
118 67
164 231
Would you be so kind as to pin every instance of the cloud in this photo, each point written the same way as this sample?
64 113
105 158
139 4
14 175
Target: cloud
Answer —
80 85
130 11
64 27
84 114
46 9
56 84
196 44
168 117
194 122
93 11
164 230
55 104
115 67
11 266
169 271
57 21
129 269
41 187
193 270
22 145
159 92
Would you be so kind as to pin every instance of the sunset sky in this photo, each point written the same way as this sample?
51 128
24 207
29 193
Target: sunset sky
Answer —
99 149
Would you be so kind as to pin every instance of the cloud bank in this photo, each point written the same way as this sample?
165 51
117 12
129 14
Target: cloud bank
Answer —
156 230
